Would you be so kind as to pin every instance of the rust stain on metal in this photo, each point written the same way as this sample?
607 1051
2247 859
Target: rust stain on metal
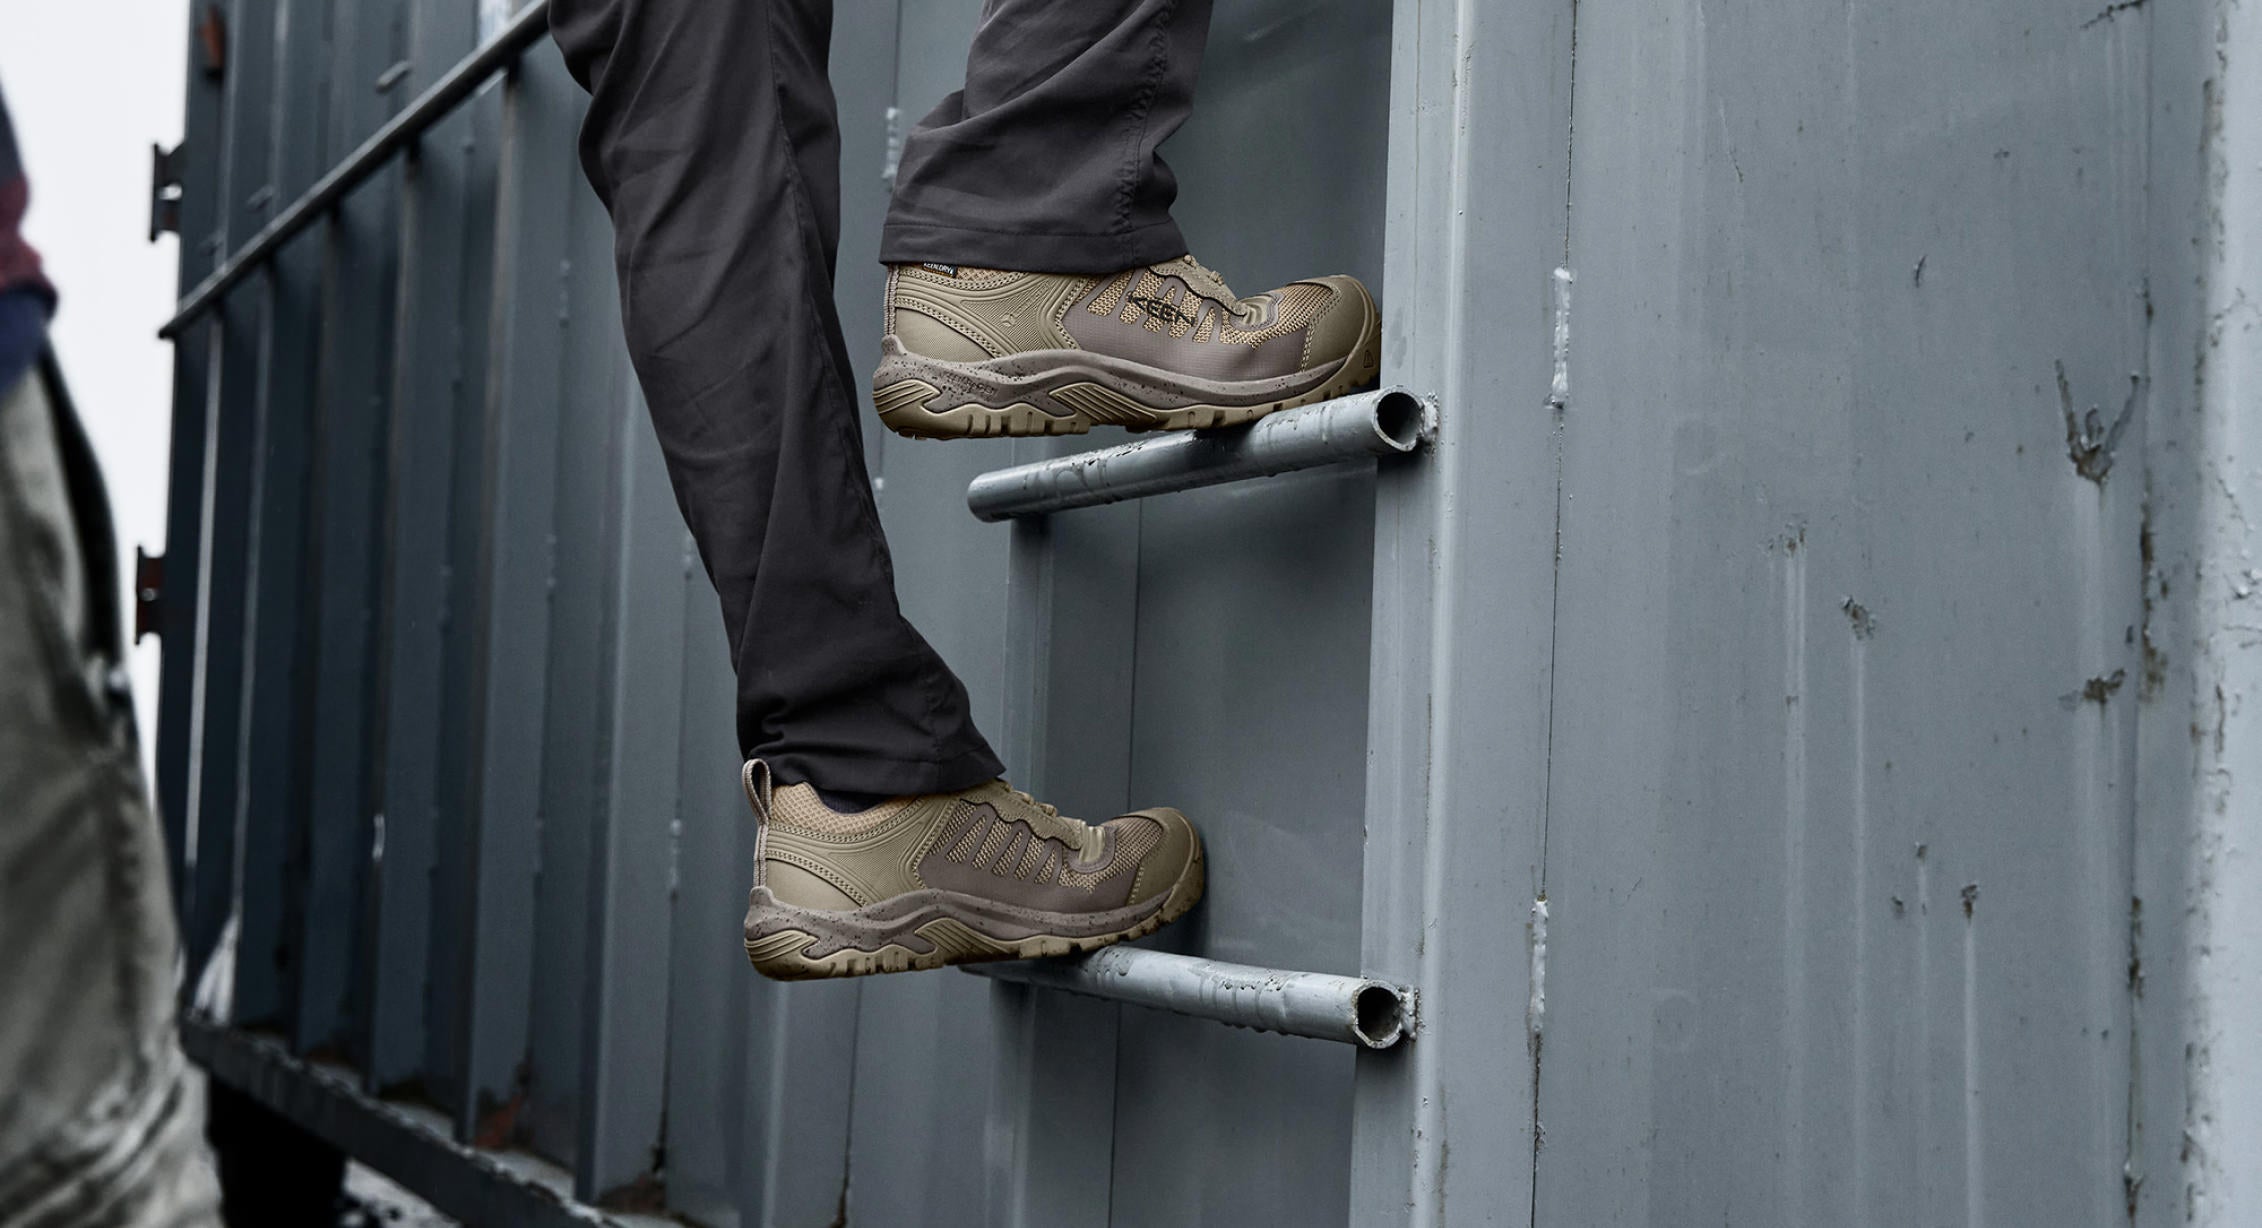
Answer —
647 1195
498 1126
212 40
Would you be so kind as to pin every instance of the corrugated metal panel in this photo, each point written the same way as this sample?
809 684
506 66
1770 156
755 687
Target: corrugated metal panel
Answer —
1839 825
1789 747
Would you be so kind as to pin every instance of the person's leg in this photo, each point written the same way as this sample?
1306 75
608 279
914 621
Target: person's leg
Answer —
1046 161
1038 285
710 138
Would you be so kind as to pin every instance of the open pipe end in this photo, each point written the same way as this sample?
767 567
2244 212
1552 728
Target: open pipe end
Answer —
1379 1015
1402 419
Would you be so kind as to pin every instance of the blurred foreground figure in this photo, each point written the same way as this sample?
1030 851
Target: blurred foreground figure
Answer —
100 1118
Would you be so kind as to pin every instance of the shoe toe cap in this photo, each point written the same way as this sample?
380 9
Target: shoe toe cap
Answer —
1344 323
1165 865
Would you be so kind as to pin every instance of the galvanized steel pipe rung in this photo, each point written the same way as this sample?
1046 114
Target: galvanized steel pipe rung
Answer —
1385 422
1355 1010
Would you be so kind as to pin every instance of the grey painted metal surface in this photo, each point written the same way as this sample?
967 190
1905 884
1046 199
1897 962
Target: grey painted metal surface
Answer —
346 481
1387 422
230 435
1839 825
427 373
201 243
1458 735
1801 759
270 818
2219 467
513 611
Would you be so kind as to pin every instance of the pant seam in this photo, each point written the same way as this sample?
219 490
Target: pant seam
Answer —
1158 62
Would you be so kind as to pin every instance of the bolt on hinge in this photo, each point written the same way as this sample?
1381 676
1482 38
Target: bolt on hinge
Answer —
164 190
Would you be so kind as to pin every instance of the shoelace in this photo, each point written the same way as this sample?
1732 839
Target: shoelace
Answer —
1073 831
1196 274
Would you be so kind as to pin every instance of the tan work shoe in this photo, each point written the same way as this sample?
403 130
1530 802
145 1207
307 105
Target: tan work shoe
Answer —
953 878
981 352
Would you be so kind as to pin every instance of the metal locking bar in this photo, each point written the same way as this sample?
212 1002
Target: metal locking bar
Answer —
428 108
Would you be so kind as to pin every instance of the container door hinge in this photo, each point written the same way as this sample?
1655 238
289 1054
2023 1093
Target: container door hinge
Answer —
149 593
164 190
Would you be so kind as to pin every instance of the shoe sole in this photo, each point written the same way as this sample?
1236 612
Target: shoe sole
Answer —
937 929
1068 392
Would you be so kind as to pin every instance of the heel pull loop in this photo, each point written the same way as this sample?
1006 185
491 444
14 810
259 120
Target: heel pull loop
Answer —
760 790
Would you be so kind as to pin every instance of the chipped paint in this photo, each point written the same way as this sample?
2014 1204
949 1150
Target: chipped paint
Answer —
1559 389
2099 690
1864 623
2112 11
2090 444
1535 1011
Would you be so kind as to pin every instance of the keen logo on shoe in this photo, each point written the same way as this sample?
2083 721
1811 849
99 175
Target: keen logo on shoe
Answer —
1164 310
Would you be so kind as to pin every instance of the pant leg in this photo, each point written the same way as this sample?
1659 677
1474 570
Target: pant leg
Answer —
1045 162
711 140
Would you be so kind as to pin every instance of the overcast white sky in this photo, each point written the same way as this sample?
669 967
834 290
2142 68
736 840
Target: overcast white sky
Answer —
90 86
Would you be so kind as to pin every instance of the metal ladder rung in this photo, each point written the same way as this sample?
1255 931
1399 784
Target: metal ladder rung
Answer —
1352 1009
1385 422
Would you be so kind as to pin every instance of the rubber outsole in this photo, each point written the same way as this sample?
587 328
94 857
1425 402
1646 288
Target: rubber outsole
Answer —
777 945
925 398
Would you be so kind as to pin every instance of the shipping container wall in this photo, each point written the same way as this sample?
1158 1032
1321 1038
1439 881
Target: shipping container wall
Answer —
1775 726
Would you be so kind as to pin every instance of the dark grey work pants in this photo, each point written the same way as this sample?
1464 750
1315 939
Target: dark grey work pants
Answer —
711 140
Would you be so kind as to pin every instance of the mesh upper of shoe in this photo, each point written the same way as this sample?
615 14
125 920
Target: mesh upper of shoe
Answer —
1297 306
1007 845
1134 839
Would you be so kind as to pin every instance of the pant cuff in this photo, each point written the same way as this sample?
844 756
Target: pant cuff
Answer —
847 773
1088 255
